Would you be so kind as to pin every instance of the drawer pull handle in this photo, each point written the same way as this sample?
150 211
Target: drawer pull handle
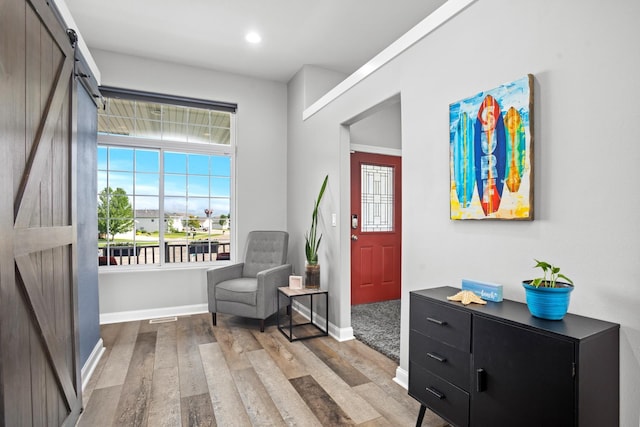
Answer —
437 357
436 321
435 392
481 380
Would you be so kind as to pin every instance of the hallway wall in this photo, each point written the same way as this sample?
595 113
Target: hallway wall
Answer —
586 91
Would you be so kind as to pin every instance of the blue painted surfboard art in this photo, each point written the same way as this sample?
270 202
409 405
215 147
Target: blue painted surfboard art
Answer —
463 165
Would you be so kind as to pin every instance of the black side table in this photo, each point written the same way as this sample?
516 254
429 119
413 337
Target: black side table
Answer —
291 295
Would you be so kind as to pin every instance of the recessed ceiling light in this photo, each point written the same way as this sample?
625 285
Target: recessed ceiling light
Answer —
253 37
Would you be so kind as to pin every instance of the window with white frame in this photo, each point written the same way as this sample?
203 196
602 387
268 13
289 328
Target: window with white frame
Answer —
165 180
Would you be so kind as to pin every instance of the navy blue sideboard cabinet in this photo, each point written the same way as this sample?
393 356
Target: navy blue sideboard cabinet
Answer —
496 365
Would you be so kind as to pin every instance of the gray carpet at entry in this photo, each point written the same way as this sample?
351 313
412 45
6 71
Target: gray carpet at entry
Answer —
378 325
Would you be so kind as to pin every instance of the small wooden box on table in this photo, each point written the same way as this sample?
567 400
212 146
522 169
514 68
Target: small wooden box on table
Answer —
291 294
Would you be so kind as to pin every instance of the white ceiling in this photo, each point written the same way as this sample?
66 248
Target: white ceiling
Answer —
340 35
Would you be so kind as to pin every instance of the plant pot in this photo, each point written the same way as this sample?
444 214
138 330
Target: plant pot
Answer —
548 303
312 276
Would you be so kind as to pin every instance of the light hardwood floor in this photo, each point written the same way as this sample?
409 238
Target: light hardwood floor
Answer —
190 373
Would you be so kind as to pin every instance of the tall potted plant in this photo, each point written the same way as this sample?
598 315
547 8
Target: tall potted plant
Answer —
547 297
312 243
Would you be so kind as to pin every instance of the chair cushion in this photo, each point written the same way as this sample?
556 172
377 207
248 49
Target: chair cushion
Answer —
265 249
243 290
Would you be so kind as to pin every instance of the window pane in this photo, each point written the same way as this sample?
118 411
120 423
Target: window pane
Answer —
119 126
221 187
220 136
120 107
147 183
102 180
148 110
121 159
103 124
220 166
220 119
174 132
377 198
147 241
197 205
147 160
123 180
175 185
102 158
148 129
174 114
175 162
199 134
147 206
199 117
220 206
198 164
176 206
198 186
164 122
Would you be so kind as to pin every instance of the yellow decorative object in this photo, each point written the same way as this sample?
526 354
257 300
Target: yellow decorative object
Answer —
467 297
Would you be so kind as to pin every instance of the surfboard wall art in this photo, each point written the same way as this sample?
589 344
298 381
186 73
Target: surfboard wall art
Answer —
491 153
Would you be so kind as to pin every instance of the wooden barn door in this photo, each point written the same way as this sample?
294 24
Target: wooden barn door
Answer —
40 375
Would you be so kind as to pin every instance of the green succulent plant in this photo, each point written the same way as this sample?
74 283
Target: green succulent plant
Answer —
550 277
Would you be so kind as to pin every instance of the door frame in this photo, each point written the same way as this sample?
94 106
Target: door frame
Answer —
344 331
345 218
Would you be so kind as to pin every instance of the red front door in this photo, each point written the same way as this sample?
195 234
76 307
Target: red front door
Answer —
375 227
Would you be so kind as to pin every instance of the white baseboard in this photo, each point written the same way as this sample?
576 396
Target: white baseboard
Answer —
129 316
91 363
339 334
402 378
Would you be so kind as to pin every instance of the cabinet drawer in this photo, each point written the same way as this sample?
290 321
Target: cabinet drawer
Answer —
443 360
440 396
440 322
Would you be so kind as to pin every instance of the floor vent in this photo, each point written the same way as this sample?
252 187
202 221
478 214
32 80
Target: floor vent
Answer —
163 320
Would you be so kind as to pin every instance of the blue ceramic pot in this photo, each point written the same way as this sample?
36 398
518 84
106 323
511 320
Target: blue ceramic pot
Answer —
548 303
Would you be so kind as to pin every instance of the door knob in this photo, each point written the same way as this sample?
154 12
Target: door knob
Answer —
354 237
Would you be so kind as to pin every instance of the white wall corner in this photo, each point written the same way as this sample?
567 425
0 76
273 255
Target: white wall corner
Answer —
90 365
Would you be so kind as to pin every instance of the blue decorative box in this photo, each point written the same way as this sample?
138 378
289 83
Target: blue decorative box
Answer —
486 291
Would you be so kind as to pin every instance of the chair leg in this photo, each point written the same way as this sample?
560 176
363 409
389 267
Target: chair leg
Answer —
213 318
261 325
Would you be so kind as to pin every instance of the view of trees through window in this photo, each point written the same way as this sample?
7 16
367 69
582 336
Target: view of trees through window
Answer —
162 201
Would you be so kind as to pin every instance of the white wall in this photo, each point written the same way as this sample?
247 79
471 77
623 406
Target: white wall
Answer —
586 157
261 175
380 129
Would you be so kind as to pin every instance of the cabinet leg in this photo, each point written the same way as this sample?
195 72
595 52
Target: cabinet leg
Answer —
421 415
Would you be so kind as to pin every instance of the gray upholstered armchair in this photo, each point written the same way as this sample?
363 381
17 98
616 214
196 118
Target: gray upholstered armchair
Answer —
249 289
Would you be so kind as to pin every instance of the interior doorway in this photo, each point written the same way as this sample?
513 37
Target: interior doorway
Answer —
375 143
376 227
